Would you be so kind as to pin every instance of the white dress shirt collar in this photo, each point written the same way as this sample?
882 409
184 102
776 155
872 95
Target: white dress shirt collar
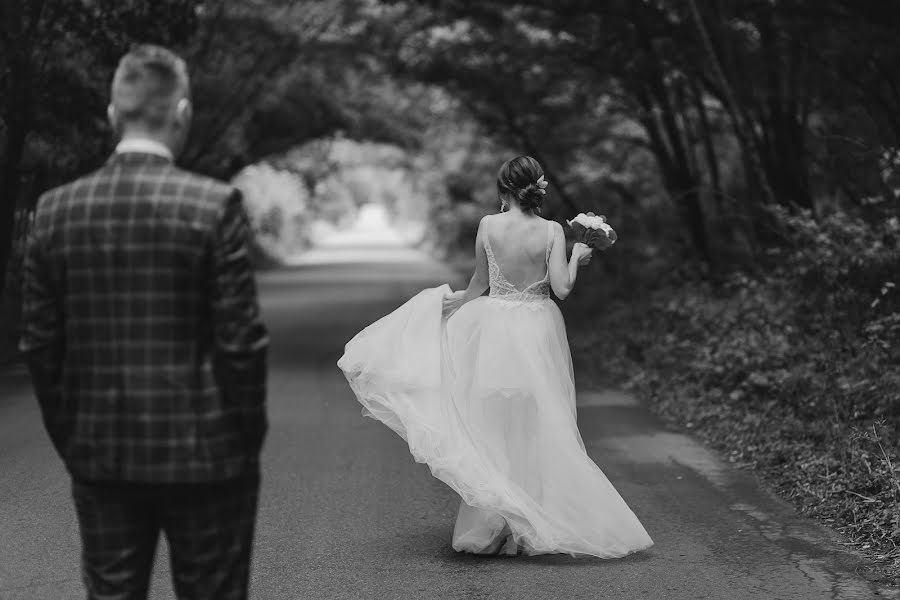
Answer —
144 146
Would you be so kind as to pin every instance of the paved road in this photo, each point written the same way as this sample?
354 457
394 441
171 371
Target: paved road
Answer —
346 513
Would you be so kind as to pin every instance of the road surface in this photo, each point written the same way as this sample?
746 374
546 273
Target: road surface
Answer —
346 513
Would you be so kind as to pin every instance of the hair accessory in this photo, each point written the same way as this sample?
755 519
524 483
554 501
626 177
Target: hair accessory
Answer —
542 184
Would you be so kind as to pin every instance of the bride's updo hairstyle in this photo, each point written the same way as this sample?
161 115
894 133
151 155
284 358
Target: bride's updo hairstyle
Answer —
518 177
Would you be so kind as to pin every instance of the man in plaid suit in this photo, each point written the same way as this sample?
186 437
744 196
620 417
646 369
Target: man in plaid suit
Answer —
147 352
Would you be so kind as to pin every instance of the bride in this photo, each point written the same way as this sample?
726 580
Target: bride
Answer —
482 390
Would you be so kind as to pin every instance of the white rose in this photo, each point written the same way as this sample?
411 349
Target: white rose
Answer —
582 219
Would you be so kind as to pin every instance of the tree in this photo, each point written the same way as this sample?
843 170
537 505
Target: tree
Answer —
788 84
55 62
266 75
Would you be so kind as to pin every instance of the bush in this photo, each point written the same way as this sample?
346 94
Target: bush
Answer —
792 371
277 203
11 298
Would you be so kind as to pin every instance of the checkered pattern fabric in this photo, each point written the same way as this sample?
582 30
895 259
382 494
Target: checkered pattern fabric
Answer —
209 529
142 327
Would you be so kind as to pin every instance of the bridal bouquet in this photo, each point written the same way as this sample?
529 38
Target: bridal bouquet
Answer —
593 230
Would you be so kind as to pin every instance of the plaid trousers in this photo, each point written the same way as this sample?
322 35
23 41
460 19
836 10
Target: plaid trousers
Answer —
209 529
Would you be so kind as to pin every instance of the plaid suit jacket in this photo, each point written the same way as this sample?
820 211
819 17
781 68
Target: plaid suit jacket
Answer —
142 329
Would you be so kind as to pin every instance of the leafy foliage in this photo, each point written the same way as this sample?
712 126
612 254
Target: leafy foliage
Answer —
267 75
716 110
55 60
278 207
10 307
793 372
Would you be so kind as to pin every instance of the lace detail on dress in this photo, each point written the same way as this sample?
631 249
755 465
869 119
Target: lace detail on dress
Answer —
502 289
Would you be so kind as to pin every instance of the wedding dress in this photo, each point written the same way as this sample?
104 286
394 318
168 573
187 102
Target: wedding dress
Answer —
486 399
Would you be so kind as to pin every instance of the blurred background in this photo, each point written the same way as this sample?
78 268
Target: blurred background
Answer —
746 152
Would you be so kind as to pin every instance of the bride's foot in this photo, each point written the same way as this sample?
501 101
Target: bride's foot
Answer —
510 548
502 545
494 547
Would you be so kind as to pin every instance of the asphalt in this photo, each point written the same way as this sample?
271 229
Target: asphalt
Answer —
346 513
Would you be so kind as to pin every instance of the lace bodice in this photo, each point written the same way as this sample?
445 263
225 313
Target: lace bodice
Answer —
502 289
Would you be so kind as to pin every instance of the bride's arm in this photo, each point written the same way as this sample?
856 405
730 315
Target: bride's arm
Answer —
477 284
480 280
562 273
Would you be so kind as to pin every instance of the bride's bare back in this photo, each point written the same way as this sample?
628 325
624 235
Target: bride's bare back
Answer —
520 246
518 253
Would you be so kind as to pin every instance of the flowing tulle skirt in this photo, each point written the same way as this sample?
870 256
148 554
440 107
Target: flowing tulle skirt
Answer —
487 400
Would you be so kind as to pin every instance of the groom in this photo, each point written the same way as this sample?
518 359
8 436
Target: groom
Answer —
147 352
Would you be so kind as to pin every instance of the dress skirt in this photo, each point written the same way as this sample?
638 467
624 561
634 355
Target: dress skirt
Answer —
486 399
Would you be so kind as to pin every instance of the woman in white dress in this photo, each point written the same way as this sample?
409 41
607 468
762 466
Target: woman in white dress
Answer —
482 390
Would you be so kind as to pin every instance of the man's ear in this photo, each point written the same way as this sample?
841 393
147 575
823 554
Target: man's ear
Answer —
184 111
113 115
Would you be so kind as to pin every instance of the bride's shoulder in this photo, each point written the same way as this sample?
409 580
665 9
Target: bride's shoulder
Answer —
485 220
553 225
556 234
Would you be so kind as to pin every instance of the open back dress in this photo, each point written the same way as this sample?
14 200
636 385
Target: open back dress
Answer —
486 399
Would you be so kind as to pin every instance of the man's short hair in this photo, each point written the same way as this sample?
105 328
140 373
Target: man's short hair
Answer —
148 82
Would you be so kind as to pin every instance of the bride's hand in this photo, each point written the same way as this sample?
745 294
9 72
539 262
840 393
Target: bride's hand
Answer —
452 302
582 253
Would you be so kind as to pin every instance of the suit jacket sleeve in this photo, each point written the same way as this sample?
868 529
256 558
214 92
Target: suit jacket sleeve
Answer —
240 337
43 333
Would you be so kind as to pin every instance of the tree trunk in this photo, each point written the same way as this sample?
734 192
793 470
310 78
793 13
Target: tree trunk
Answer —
683 187
740 120
692 209
707 136
784 148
